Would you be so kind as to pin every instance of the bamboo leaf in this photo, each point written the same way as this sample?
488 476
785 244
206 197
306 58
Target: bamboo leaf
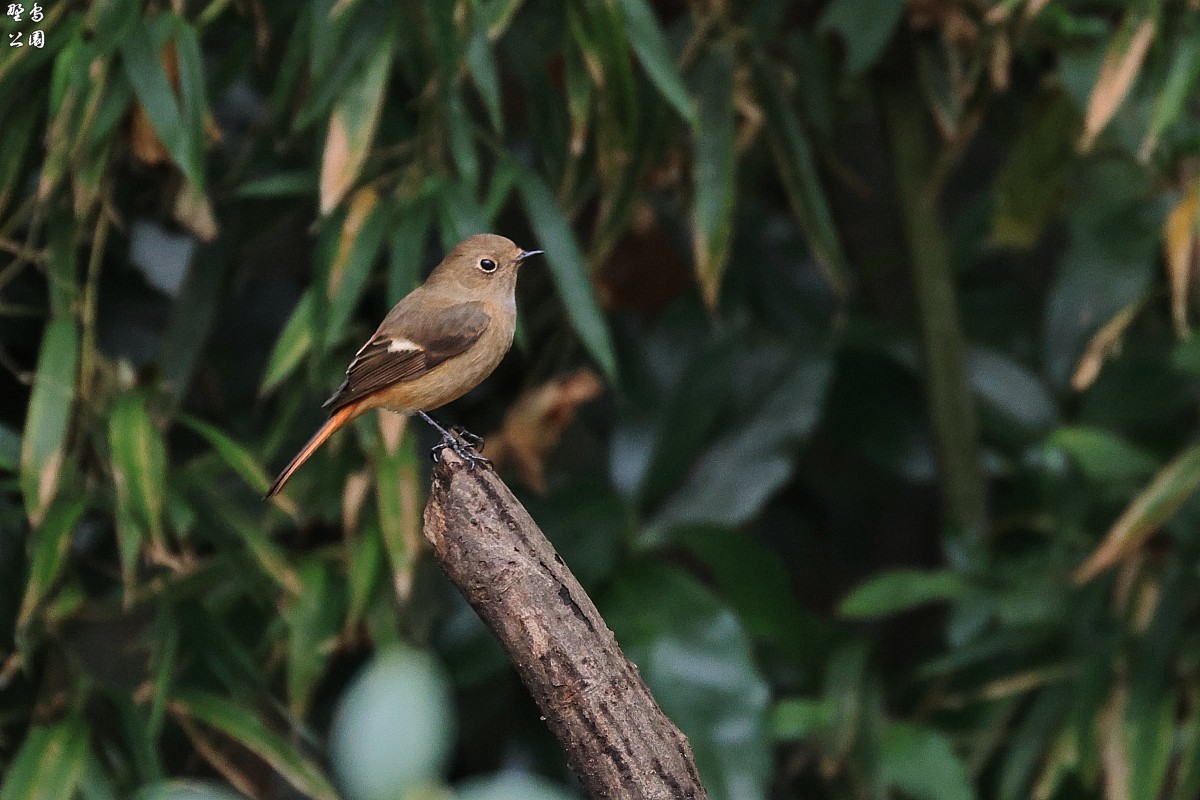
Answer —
901 590
655 56
1180 234
139 464
239 459
568 269
865 26
798 171
358 244
312 616
713 172
43 444
10 449
484 74
182 137
246 728
1120 69
1149 511
50 763
352 126
406 249
293 344
50 543
1176 90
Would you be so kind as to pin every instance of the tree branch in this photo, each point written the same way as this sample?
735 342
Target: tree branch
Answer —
617 740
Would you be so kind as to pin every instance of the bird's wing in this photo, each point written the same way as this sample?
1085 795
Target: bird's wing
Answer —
404 351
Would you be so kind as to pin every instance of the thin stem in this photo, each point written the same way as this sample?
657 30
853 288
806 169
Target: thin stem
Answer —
951 406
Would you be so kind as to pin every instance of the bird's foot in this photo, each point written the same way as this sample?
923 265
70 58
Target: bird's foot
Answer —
475 442
465 445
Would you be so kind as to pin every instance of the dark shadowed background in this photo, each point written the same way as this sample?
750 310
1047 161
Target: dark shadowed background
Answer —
857 385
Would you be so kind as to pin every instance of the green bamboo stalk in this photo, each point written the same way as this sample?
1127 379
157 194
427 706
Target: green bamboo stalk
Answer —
949 395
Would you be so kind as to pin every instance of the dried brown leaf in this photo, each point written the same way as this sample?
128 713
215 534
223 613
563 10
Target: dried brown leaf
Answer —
1121 66
354 495
536 421
193 211
1105 344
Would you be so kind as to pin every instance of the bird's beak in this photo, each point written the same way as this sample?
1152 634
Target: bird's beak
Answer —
524 254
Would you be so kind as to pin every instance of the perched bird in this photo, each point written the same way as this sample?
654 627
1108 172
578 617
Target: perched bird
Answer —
437 344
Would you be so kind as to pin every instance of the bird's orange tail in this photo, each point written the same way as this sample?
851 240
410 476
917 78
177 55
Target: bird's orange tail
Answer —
340 418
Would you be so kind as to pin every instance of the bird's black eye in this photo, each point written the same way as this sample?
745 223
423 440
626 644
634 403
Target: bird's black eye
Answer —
487 265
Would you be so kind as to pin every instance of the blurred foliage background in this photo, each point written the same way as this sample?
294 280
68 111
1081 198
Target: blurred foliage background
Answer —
858 386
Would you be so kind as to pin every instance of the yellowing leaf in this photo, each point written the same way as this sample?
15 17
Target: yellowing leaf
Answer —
1105 344
1152 508
714 173
1180 243
1121 65
352 127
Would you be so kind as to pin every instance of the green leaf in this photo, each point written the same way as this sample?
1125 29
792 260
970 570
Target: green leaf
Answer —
714 171
1103 456
406 250
460 134
1010 389
756 583
193 315
181 135
865 27
801 180
1031 185
16 140
269 557
50 763
43 444
1176 89
394 727
139 463
800 718
744 466
246 728
352 126
193 107
1029 742
239 459
293 344
901 590
49 553
655 55
681 637
312 617
569 270
484 72
10 449
294 183
397 500
359 242
363 574
920 762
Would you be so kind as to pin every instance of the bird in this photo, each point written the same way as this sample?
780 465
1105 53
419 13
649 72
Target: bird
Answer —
438 343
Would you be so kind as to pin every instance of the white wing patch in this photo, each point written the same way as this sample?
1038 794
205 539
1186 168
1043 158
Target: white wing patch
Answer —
400 345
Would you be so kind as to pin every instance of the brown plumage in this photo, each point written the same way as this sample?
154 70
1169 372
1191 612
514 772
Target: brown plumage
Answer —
436 344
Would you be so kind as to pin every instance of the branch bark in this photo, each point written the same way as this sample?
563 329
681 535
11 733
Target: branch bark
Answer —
616 738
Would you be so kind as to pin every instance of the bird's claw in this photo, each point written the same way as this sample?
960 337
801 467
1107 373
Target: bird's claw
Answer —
473 441
465 445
